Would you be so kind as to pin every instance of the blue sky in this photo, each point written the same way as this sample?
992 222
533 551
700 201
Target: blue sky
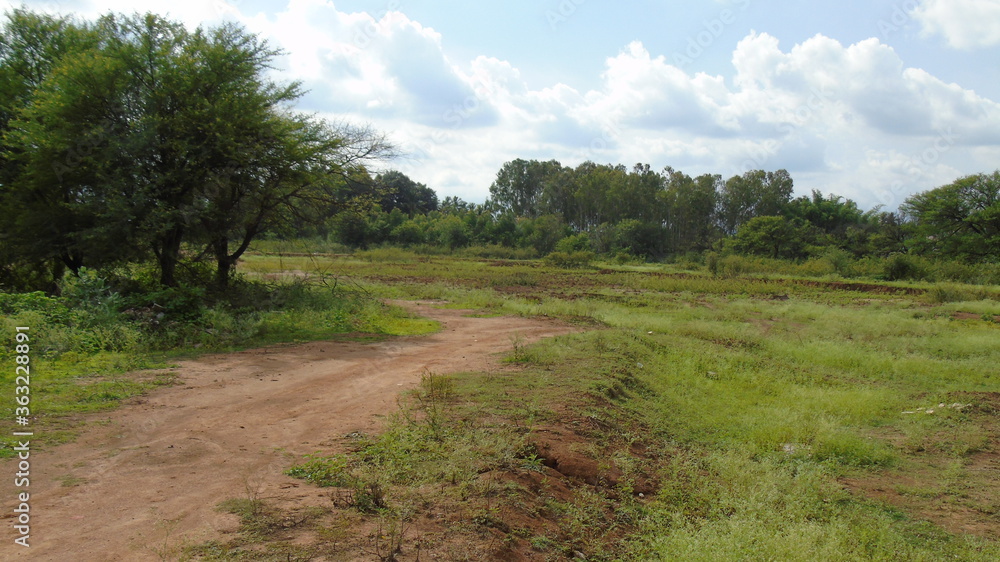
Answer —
870 100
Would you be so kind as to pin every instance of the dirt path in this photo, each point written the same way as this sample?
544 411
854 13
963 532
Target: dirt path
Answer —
236 418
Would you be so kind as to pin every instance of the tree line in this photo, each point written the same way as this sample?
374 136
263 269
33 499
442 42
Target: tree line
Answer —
130 139
640 212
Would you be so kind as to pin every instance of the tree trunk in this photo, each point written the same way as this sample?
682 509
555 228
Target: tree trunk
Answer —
168 255
224 262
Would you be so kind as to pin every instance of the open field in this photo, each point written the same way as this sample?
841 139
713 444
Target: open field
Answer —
678 416
785 418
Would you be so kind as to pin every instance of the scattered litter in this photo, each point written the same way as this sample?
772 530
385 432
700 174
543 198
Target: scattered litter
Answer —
792 448
955 406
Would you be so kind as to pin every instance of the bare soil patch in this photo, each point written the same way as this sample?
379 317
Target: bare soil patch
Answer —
966 504
153 472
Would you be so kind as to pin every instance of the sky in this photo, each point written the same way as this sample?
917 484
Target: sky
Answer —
871 100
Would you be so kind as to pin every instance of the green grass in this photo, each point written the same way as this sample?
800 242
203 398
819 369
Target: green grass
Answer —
763 403
761 393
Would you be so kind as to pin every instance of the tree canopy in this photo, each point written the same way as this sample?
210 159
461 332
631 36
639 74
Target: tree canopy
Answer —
961 219
142 138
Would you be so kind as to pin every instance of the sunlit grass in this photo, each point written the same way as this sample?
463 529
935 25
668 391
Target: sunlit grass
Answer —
771 389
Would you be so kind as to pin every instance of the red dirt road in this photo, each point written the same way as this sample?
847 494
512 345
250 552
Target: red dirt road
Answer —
151 474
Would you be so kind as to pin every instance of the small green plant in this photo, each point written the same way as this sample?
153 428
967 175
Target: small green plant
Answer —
533 462
437 388
323 471
386 541
542 543
521 353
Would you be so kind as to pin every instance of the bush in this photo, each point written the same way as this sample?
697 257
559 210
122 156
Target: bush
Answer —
573 259
575 243
49 307
900 267
407 234
712 262
181 304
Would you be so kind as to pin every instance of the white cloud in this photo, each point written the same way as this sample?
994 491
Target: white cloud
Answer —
391 66
848 119
851 120
965 24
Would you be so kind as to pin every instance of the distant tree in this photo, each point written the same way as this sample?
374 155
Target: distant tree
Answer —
832 214
959 220
770 236
690 207
455 204
451 232
595 198
351 227
542 233
408 233
398 191
638 238
519 185
558 195
754 194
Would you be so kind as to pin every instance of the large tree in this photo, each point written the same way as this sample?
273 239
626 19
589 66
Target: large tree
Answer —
959 220
31 47
166 137
398 191
519 186
690 205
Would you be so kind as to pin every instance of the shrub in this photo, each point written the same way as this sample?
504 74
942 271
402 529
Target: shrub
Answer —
575 243
900 267
573 259
712 262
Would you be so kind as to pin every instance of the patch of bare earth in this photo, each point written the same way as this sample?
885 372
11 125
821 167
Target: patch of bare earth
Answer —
149 476
961 494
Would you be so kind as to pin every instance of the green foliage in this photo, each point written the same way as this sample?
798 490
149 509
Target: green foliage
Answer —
400 192
542 233
451 232
323 471
754 194
770 236
519 185
106 99
902 267
570 259
959 220
574 243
